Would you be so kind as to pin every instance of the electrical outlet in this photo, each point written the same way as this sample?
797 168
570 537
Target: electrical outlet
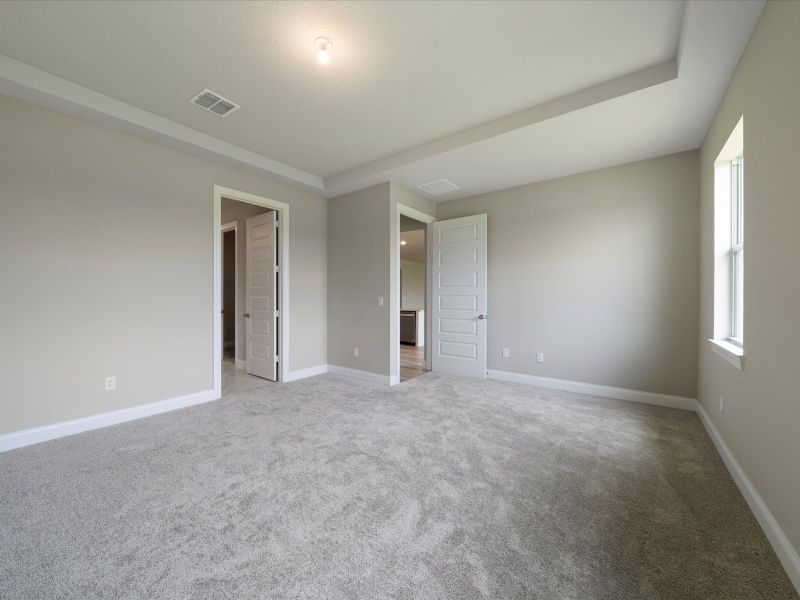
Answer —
355 351
722 404
506 352
540 357
111 383
380 301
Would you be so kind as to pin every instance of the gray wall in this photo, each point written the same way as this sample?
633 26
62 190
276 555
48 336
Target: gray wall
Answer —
363 256
762 402
106 268
402 195
358 273
413 279
599 271
232 210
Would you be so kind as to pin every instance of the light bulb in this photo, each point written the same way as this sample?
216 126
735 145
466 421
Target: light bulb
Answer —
403 242
323 46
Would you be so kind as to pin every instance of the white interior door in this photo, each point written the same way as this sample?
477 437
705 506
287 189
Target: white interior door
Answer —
459 296
261 316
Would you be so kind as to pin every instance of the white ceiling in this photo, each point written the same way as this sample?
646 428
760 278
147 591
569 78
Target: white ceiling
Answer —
486 94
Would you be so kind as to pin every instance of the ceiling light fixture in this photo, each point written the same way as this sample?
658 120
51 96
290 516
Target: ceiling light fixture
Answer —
403 242
323 46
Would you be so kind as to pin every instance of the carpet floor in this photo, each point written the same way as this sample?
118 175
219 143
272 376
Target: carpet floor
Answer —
333 488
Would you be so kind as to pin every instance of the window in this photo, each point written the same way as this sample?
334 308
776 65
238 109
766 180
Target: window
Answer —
737 250
728 338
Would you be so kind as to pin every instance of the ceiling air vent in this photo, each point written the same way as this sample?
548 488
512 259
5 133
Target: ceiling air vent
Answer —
215 103
440 186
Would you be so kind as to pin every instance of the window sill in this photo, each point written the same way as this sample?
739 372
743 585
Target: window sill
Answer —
730 353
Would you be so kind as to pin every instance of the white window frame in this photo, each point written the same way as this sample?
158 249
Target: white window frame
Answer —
737 251
728 336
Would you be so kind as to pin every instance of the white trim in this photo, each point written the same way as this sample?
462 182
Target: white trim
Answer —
18 439
307 372
592 389
362 375
730 353
415 214
787 554
240 364
283 324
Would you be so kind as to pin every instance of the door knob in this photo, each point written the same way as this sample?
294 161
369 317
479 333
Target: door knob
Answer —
481 317
246 315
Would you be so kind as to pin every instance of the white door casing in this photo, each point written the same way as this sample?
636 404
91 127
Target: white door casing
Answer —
261 297
458 313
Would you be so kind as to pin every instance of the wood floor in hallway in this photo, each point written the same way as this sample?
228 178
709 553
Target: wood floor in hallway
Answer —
412 362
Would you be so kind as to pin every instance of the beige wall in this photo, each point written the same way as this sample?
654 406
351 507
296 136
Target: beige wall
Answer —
233 210
358 274
413 279
106 268
761 422
599 272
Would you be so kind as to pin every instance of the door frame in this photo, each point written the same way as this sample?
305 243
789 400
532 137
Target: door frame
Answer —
283 279
396 302
234 227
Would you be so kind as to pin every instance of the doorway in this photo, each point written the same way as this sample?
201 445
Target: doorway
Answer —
410 347
229 294
456 293
251 300
250 308
412 297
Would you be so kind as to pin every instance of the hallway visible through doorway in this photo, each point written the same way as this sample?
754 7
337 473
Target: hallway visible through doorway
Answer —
250 310
412 297
412 362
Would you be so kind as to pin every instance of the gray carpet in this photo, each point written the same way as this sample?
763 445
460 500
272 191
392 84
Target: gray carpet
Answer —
332 488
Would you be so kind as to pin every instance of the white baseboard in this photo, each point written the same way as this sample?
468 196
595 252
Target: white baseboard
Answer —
787 554
362 375
18 439
307 372
592 389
